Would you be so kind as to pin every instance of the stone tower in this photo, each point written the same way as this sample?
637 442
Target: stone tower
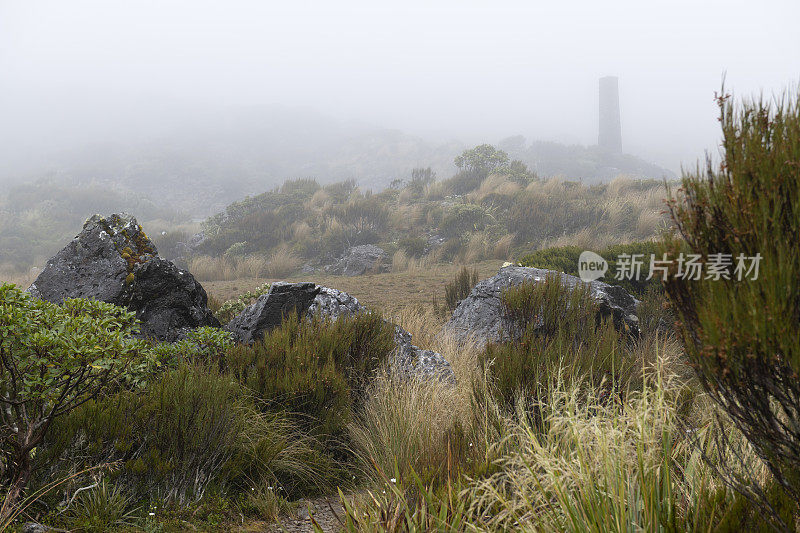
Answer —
609 137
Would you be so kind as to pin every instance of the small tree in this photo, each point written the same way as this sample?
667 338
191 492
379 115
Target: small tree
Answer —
52 359
483 159
743 337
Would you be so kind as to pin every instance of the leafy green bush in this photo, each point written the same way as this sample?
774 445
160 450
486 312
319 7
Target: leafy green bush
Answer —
742 333
52 360
314 369
561 337
205 344
565 259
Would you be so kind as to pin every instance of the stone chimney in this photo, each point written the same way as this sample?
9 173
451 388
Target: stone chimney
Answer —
609 137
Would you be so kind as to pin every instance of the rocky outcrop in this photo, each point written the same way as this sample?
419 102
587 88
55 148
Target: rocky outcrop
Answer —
359 260
268 311
113 260
480 315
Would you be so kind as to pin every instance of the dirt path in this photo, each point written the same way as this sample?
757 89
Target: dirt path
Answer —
326 511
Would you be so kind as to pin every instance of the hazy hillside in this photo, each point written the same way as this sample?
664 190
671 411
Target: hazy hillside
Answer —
205 161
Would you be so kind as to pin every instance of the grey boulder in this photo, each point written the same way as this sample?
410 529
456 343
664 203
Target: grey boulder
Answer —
480 315
112 260
310 299
168 301
269 310
359 260
98 263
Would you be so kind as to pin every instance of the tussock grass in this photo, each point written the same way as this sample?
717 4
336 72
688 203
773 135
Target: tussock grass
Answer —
9 274
281 262
456 458
402 262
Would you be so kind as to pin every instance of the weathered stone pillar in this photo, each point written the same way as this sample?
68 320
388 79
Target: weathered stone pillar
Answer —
609 137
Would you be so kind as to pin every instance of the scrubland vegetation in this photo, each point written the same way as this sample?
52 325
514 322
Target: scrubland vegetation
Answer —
492 208
574 426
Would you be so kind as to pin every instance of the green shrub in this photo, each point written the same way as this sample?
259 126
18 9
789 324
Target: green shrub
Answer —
205 344
742 335
565 259
461 219
413 246
562 337
314 369
464 182
193 430
460 287
536 217
52 360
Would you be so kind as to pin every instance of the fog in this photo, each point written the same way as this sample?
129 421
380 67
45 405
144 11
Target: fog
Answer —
80 76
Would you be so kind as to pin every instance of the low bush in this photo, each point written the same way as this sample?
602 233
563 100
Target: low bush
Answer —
234 306
740 331
562 337
413 246
193 430
565 259
461 219
314 370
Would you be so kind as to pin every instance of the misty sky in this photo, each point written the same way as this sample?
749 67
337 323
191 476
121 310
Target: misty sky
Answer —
73 72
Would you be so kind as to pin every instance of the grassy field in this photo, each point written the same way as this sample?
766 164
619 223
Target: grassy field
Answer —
390 293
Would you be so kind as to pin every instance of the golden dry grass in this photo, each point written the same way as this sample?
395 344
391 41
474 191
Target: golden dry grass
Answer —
20 279
388 292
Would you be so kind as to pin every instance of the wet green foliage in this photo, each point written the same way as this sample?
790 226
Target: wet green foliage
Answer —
742 335
315 370
561 337
565 259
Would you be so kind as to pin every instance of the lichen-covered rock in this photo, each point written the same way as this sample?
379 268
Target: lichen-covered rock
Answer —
269 310
480 316
359 260
334 303
96 264
267 313
113 260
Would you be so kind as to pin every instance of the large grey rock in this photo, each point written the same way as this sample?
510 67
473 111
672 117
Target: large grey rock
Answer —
97 263
480 315
267 312
359 260
113 260
270 309
168 301
413 362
